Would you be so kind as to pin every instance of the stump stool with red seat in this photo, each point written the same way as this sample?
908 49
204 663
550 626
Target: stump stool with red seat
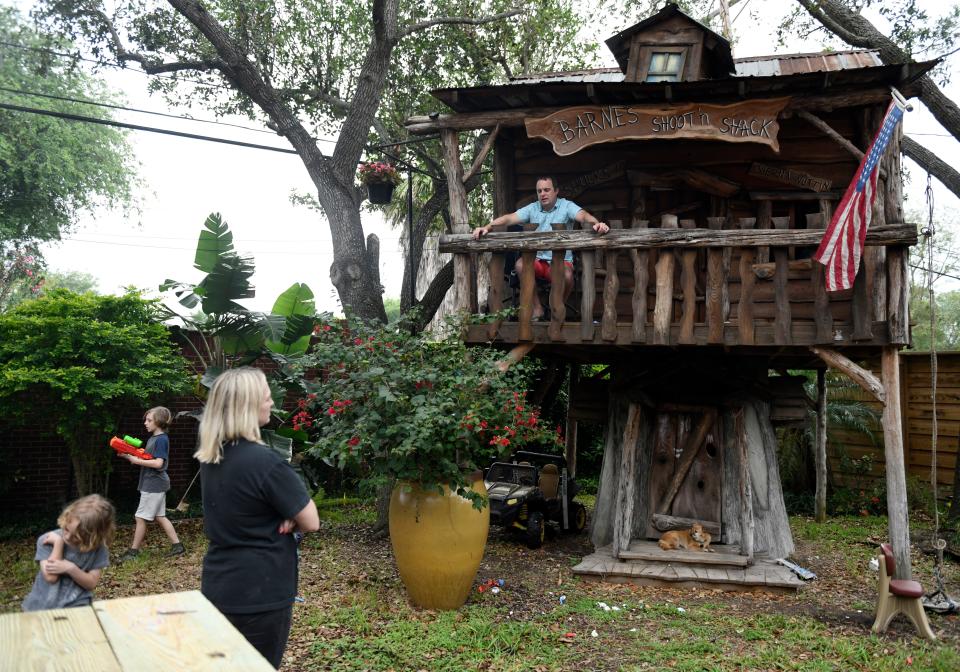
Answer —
899 596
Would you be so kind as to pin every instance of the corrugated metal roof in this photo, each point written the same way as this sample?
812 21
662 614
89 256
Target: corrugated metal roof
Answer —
753 66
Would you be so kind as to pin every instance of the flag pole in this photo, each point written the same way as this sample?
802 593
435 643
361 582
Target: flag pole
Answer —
900 99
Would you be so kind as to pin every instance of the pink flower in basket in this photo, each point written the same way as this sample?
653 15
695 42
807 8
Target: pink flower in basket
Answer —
378 172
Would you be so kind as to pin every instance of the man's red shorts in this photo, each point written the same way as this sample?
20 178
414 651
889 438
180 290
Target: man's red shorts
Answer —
541 268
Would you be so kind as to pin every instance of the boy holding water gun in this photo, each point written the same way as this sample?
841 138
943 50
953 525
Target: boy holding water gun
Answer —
154 483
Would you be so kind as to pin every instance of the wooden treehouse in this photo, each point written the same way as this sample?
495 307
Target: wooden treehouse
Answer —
717 177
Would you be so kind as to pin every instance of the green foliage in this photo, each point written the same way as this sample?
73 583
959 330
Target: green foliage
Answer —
53 169
229 332
21 273
388 404
75 362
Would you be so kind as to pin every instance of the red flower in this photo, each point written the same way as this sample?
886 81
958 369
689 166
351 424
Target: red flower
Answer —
354 440
357 341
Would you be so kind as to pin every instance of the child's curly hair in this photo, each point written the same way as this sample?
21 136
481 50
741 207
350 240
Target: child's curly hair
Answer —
162 417
95 518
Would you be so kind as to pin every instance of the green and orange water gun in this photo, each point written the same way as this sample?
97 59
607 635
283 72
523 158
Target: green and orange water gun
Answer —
129 446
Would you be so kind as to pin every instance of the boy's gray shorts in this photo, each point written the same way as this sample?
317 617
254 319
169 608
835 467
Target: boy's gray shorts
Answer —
152 504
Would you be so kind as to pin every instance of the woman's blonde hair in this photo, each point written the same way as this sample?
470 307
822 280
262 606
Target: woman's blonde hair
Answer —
232 412
95 518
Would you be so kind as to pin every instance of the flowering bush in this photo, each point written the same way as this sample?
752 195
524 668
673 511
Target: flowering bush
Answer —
392 405
378 172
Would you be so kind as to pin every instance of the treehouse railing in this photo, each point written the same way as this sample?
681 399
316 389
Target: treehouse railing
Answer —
729 284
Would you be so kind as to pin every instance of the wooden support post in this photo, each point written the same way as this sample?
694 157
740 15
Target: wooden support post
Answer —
764 215
558 311
459 216
528 285
747 281
897 514
663 308
570 438
611 287
588 294
820 507
856 373
716 287
898 298
821 300
641 275
626 488
783 324
688 284
690 449
495 293
747 521
860 308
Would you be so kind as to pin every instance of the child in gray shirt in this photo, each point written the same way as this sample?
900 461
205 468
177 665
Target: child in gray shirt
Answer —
72 557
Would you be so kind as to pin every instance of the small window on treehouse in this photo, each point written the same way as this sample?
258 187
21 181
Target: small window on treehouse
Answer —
666 64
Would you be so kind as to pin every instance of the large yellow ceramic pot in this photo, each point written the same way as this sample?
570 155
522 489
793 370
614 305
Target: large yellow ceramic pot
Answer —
438 542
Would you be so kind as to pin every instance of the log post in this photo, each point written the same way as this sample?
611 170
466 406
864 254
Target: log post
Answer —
570 438
860 309
747 521
716 287
783 324
820 508
821 300
897 514
528 285
626 488
495 272
764 216
611 287
663 308
641 275
898 298
865 379
747 280
588 292
459 216
688 284
558 311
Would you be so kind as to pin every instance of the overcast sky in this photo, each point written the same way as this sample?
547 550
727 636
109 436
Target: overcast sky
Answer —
187 179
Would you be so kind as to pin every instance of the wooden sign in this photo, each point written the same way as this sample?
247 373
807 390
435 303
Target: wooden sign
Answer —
574 128
795 177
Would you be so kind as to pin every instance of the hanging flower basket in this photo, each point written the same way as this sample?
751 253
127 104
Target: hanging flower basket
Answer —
380 178
380 192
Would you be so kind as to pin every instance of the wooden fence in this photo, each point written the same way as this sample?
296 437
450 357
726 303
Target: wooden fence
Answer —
917 412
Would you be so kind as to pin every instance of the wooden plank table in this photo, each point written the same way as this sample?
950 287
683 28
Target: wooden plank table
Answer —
171 631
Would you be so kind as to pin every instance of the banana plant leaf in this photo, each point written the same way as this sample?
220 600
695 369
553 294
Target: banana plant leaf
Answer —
296 307
215 242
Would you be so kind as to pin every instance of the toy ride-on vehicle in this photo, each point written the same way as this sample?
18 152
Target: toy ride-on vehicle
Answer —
531 491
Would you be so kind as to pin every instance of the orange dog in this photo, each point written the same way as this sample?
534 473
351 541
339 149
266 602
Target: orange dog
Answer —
694 539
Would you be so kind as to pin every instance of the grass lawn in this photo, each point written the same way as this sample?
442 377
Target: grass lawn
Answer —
355 615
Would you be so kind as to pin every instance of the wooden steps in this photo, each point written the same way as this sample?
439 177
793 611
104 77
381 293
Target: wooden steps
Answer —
649 550
763 575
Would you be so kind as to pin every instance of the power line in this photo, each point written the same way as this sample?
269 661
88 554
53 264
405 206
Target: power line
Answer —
322 253
940 274
142 111
137 127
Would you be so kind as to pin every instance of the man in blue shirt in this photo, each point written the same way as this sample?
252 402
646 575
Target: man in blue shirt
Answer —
546 211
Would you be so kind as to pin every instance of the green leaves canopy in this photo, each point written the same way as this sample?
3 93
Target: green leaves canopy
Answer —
72 363
52 169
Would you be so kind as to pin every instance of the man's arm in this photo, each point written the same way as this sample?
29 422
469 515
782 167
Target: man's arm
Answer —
585 217
501 221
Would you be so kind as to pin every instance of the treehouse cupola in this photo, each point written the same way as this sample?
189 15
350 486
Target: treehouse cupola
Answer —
717 177
671 47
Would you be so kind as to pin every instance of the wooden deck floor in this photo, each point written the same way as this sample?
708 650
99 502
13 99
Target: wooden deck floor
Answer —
652 566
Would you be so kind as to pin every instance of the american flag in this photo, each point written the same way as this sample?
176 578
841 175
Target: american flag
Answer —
842 242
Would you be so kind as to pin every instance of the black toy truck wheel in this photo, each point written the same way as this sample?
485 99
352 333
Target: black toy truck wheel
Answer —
577 518
536 530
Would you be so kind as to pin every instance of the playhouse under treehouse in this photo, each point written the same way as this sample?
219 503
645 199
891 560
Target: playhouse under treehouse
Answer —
717 177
